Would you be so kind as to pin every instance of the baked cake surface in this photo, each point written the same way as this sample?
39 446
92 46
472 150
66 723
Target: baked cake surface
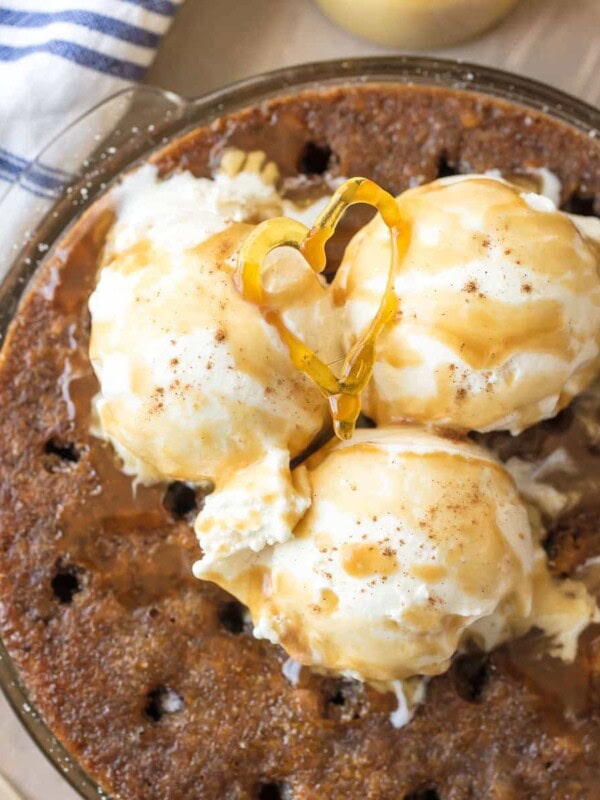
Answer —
153 679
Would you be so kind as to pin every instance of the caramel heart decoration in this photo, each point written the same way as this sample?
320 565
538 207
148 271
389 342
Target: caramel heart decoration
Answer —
343 391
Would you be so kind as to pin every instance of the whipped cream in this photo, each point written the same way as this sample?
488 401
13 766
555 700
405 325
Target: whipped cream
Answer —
499 323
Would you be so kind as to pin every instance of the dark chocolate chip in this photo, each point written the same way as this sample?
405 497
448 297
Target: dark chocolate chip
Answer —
338 698
274 791
444 169
469 675
232 616
314 159
584 206
425 793
63 450
66 582
180 500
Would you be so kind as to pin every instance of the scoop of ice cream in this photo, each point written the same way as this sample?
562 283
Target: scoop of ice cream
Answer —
194 383
499 322
409 540
412 545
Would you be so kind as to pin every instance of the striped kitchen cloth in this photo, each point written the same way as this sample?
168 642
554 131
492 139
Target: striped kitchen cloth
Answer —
59 58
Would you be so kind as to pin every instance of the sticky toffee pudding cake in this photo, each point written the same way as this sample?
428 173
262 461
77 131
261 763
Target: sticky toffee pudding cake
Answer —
152 678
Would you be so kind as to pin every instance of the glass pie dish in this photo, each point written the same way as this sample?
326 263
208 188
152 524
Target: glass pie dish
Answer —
148 118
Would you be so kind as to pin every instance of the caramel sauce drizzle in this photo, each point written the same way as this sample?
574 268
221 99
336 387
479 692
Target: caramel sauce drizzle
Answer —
343 391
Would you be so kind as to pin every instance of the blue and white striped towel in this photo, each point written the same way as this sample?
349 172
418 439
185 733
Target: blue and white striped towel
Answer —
58 58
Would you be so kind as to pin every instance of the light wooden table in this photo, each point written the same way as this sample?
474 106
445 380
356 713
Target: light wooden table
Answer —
213 42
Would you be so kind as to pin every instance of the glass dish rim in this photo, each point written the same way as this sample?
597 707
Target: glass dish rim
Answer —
204 109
